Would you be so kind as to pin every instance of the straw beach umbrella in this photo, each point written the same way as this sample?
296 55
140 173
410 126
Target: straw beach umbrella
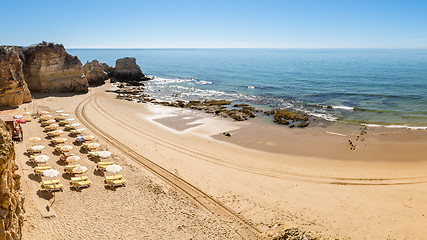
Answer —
41 158
93 146
114 168
37 147
72 159
104 154
88 137
34 139
50 121
66 148
57 132
51 173
59 140
79 170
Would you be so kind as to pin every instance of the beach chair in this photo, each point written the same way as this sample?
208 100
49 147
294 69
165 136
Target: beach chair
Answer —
27 119
59 118
40 170
102 165
79 182
69 168
53 187
50 182
63 123
115 183
33 157
113 178
79 178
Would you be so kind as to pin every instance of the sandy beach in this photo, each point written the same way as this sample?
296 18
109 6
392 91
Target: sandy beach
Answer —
264 174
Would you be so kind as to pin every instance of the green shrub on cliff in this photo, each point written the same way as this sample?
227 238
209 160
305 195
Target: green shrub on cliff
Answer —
2 50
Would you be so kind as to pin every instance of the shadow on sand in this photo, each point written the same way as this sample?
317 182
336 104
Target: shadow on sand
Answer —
45 195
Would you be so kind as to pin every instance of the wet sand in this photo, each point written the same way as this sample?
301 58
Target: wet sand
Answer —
267 174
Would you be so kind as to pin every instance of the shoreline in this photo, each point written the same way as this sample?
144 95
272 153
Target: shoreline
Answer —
316 182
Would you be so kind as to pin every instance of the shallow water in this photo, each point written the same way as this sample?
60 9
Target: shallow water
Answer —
361 86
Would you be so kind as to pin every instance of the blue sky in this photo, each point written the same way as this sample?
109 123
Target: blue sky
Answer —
216 24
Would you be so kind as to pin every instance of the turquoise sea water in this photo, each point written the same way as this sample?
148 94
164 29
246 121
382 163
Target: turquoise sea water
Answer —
387 87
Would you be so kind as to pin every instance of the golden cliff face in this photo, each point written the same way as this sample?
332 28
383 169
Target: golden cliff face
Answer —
13 88
49 68
11 197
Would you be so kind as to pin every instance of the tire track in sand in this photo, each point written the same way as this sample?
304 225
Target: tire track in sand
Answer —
245 229
252 169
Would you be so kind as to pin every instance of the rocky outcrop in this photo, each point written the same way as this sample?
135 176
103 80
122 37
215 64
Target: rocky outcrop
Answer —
11 198
96 72
126 69
13 88
49 68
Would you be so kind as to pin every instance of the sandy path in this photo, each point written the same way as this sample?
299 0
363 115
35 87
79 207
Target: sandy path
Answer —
358 199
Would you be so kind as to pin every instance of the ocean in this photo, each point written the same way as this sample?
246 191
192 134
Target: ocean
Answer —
372 87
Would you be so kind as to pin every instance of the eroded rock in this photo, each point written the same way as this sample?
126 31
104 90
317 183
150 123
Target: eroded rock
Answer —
49 68
126 69
11 197
13 88
96 72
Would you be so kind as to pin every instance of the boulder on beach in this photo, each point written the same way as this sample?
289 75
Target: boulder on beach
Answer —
126 69
96 72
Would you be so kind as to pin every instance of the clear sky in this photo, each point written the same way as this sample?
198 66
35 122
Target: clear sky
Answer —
216 23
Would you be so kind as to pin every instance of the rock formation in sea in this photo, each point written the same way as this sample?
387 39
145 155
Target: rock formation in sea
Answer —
11 197
49 68
95 72
126 69
13 88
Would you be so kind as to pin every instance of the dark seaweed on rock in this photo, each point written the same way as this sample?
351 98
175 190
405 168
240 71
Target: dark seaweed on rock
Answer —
238 112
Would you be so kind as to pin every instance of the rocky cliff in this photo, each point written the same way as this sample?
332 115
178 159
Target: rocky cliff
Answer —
11 198
49 68
96 72
13 88
126 69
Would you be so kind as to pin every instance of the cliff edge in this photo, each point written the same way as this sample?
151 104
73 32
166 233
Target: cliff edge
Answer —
13 88
49 68
11 198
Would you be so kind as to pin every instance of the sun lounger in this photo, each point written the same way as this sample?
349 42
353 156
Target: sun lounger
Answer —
102 165
63 123
41 169
80 184
53 187
116 183
79 178
59 118
69 168
112 178
27 119
54 181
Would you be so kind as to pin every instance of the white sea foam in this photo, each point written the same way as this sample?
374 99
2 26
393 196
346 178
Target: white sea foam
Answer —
396 126
371 125
338 134
251 87
324 116
417 128
204 82
343 108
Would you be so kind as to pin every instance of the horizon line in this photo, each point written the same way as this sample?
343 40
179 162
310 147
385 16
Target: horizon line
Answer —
290 48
